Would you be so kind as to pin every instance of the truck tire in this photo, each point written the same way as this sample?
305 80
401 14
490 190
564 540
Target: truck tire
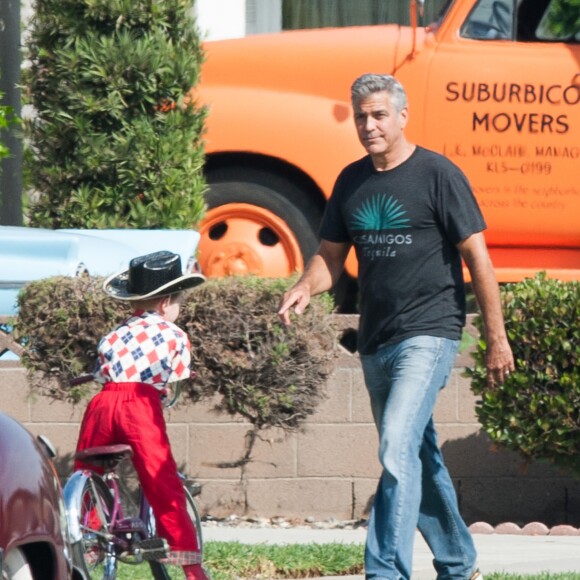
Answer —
255 228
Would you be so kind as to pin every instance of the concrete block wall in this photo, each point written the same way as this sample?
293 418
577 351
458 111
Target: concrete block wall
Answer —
329 468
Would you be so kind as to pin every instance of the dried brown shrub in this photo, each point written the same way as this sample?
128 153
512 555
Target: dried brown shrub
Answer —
269 374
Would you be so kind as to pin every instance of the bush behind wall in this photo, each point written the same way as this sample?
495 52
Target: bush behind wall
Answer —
537 410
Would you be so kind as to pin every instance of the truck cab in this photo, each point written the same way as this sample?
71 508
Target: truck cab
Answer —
492 84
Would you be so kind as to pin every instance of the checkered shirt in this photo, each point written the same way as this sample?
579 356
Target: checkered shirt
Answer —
145 348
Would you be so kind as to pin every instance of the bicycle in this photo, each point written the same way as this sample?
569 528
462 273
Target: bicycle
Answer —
101 531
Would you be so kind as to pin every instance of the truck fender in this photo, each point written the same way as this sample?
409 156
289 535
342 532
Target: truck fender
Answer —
308 122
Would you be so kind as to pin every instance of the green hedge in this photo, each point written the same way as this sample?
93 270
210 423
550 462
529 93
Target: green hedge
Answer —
537 410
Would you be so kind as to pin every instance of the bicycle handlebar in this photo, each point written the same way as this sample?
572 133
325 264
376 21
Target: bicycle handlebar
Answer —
81 380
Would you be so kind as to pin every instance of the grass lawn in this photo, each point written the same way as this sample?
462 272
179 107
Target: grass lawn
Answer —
232 561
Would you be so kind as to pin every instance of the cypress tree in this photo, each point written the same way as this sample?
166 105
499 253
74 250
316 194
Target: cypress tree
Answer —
115 139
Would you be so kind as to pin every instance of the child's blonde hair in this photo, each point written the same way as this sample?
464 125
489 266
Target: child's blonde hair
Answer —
153 303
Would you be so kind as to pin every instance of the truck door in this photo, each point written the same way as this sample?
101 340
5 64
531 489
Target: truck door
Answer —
503 102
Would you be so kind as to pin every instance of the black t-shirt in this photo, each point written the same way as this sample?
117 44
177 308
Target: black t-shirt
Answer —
405 224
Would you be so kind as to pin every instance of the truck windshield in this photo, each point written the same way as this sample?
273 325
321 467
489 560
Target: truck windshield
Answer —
490 20
523 20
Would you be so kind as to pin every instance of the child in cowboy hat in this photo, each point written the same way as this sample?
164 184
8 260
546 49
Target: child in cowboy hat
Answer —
135 362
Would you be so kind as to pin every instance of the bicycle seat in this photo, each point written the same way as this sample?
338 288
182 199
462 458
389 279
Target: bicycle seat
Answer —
107 456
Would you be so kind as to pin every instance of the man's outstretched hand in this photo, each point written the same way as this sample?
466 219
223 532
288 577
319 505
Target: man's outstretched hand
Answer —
297 298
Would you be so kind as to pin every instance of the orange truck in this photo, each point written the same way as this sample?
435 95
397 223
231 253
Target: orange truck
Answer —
492 84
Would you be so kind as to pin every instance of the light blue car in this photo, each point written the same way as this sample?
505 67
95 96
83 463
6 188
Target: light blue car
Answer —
28 254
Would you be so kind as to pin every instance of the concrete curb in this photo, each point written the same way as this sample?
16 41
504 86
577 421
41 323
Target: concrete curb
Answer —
530 529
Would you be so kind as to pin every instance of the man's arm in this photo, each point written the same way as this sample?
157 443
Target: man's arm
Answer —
320 274
499 358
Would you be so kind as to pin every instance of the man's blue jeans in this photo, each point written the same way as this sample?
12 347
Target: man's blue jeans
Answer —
415 489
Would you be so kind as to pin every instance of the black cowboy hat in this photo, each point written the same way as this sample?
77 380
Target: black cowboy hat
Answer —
153 275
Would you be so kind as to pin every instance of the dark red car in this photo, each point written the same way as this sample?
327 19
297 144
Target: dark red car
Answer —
33 530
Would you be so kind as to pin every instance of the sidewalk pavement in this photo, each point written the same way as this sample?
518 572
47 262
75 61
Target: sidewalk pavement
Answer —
511 553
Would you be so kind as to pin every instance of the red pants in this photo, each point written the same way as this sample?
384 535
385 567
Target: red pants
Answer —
131 413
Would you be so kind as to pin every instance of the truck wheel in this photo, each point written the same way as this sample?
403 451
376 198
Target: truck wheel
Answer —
250 228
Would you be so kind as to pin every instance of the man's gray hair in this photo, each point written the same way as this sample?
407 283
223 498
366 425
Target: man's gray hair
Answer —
369 84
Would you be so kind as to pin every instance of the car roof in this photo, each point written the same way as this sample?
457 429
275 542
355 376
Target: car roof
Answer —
28 254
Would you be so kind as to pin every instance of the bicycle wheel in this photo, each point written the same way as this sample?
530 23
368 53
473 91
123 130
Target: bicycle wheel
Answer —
94 554
195 517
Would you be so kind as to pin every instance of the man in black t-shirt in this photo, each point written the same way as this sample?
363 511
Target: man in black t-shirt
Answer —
411 216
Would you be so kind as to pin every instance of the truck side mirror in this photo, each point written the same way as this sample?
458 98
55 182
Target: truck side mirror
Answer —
416 9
